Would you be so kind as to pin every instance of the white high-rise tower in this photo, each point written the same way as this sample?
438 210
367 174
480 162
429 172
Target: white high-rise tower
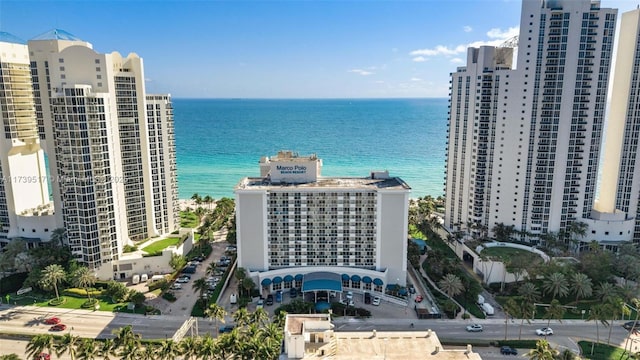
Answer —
524 142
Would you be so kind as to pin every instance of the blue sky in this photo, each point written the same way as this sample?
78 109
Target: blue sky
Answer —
283 49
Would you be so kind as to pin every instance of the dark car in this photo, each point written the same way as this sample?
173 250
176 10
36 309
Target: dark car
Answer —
367 298
191 269
58 327
269 299
226 328
508 350
293 293
632 326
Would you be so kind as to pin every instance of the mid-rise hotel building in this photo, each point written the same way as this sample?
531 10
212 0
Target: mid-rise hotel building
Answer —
296 228
525 138
110 149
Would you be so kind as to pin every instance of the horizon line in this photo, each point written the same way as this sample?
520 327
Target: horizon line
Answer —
302 98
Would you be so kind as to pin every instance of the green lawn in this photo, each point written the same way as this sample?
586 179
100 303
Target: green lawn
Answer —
158 246
188 220
504 252
602 352
71 302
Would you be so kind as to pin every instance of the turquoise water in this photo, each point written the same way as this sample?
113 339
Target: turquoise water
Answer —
218 142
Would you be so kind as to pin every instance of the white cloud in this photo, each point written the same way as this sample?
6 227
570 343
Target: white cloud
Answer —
379 82
415 79
440 50
503 34
467 29
457 61
496 36
360 72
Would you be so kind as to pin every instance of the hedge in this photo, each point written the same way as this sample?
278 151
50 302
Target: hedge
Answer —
81 292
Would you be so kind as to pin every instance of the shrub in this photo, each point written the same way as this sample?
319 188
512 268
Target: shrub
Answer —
12 283
82 292
56 302
169 296
129 248
159 284
90 303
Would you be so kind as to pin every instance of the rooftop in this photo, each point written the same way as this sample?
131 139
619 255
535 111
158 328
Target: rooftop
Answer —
57 34
255 183
10 38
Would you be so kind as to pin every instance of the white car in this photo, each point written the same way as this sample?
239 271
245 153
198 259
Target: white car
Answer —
474 328
350 295
260 304
544 331
176 286
376 301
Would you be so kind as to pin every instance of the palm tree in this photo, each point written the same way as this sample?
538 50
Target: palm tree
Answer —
529 292
107 349
615 307
512 309
38 344
58 236
10 357
130 351
211 268
189 347
207 349
259 317
556 285
125 336
581 286
248 284
240 274
605 291
88 349
597 313
208 200
68 344
216 312
241 317
543 351
149 353
451 285
526 308
168 350
51 276
84 278
555 310
636 304
200 285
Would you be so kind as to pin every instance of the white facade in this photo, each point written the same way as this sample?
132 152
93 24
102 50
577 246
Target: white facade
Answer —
88 113
524 142
349 226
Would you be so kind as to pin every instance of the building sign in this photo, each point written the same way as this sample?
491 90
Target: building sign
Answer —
288 170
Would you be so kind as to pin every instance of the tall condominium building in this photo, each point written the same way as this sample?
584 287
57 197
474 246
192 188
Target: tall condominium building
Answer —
296 228
525 141
110 148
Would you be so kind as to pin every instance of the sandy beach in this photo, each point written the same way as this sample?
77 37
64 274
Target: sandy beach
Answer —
187 203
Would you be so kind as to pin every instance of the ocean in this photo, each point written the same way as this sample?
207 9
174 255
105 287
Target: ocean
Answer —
220 141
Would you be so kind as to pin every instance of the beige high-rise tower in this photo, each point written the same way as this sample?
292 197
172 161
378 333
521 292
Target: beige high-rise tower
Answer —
112 171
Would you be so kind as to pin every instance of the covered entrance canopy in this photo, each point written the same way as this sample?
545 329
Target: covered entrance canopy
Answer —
322 281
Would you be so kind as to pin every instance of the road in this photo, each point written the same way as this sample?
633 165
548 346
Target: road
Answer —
95 324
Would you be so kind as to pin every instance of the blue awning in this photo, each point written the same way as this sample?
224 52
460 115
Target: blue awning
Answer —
345 277
378 282
366 280
266 282
277 280
288 278
321 281
355 278
299 277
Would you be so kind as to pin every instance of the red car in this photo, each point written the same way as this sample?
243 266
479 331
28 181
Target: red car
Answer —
58 327
419 298
52 321
42 356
